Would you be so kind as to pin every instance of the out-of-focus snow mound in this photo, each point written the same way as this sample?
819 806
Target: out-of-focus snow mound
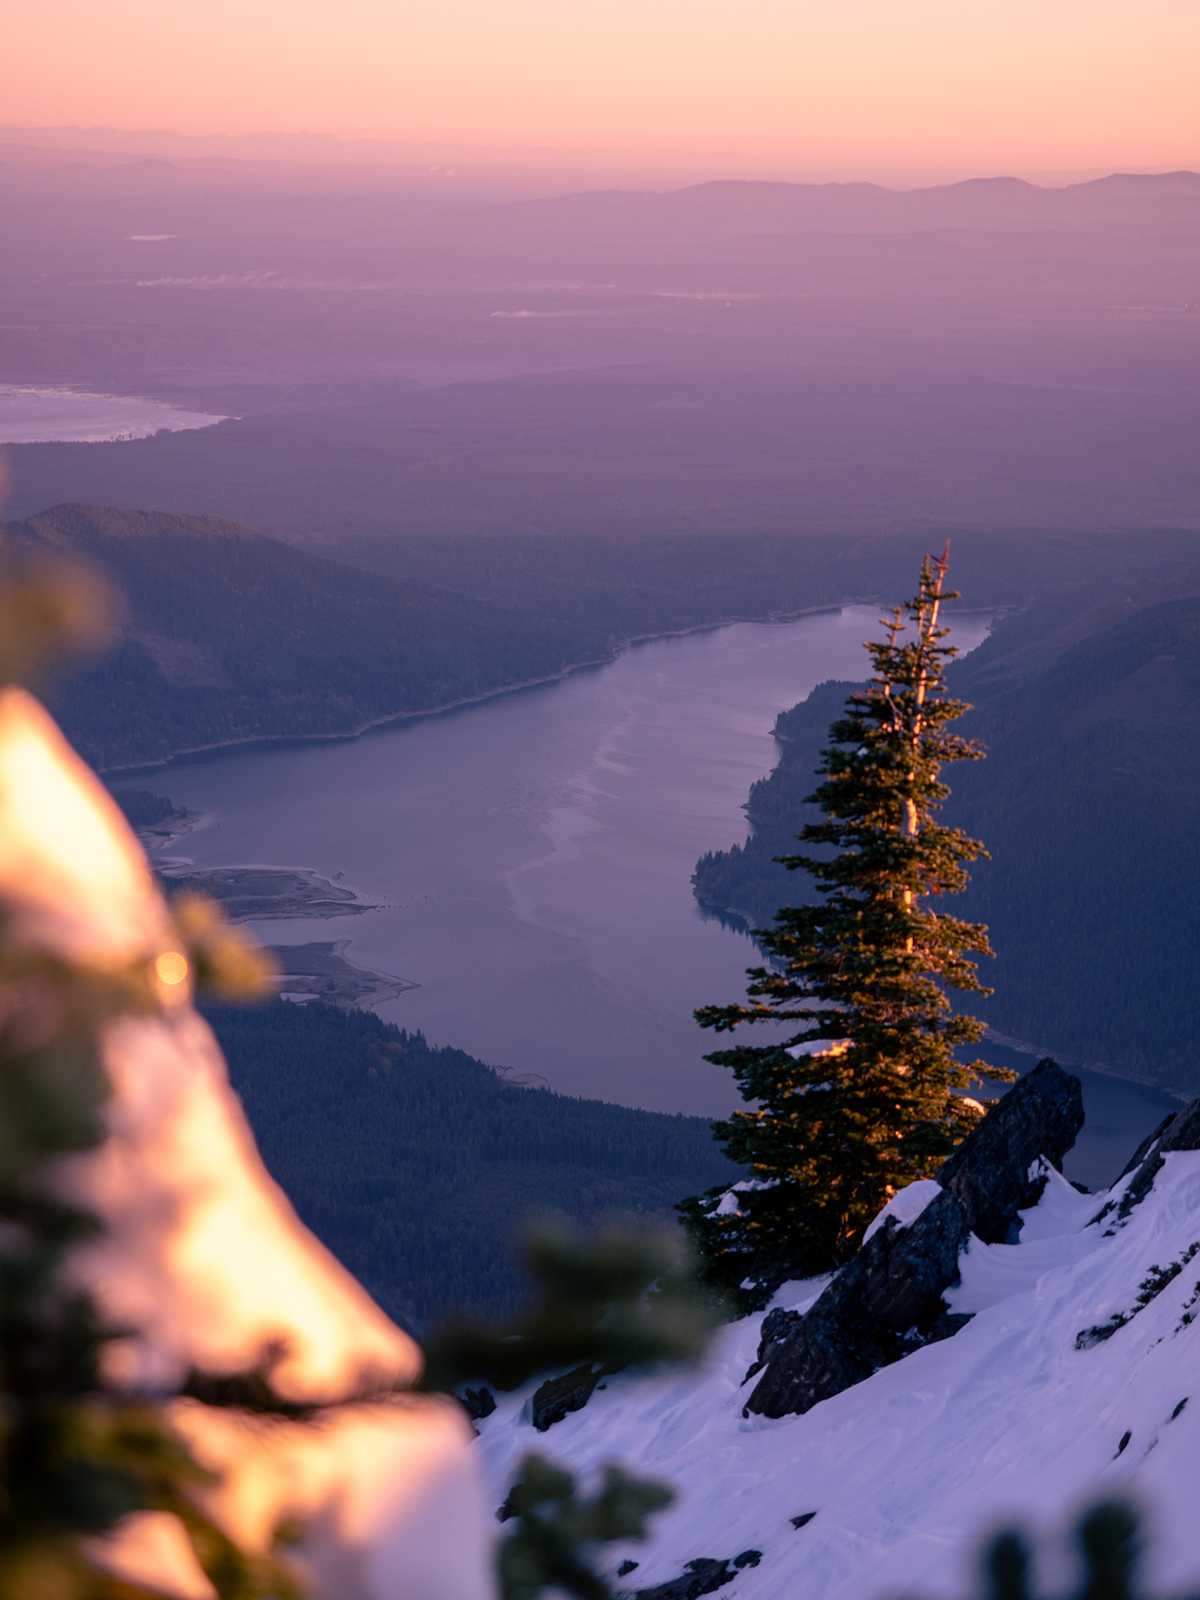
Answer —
906 1471
203 1254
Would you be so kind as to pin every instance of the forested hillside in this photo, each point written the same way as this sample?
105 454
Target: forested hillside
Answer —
417 1165
231 635
1087 803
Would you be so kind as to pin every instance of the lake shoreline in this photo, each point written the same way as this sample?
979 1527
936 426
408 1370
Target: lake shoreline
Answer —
396 718
531 865
322 971
248 893
313 970
140 416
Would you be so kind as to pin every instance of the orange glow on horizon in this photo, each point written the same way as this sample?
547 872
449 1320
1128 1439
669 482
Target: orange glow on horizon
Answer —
887 87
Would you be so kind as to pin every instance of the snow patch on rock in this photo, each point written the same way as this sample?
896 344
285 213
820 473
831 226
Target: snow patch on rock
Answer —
906 1205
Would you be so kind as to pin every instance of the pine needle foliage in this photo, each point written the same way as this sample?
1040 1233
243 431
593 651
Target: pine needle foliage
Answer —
558 1531
627 1301
861 1090
612 1295
1110 1547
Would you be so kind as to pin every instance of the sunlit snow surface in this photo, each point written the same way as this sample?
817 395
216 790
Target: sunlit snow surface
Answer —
908 1470
204 1257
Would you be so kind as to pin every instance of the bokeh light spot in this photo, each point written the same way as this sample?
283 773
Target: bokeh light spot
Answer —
171 967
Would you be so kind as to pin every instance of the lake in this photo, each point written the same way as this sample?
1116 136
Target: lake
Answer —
38 415
531 859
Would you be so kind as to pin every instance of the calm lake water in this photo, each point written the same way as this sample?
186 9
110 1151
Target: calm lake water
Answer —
533 855
76 416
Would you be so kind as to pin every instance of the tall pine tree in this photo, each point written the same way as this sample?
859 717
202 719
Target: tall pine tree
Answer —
862 1091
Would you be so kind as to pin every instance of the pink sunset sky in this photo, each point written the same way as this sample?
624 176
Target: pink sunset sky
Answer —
901 90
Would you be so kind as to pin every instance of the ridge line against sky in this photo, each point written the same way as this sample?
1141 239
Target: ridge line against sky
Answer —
899 90
669 169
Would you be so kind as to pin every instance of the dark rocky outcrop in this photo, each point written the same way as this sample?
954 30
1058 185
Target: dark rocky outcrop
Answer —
989 1172
1147 1144
1180 1132
888 1300
700 1577
478 1403
557 1397
880 1306
1183 1130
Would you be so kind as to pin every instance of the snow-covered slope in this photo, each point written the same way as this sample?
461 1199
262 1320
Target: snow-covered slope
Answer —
906 1470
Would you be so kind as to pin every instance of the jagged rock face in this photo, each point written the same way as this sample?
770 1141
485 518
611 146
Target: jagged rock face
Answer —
555 1398
883 1304
888 1300
1183 1132
989 1172
478 1403
1180 1132
1147 1144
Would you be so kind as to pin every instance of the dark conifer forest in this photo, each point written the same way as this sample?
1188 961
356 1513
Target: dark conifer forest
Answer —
417 1165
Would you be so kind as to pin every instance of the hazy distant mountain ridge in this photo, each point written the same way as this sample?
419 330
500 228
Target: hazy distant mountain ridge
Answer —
726 206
